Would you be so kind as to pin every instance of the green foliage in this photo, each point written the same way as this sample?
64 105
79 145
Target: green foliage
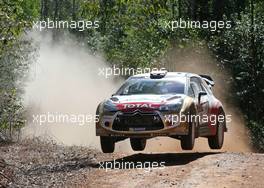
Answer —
132 33
30 10
241 50
257 132
244 56
11 114
10 23
15 56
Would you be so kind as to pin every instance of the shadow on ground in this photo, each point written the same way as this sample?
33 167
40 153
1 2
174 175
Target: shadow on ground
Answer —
166 159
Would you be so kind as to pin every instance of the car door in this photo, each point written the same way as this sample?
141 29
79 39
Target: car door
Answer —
203 105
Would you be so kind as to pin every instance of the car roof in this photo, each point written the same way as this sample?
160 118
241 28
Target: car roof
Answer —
168 75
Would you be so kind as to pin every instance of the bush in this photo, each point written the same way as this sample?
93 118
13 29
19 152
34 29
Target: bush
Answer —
241 50
257 135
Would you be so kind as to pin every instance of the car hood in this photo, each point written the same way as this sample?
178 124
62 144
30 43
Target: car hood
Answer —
145 98
144 102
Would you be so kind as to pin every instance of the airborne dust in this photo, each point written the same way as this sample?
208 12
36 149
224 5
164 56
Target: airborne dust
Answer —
65 79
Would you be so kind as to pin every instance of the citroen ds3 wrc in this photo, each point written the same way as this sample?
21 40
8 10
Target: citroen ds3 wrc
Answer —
174 104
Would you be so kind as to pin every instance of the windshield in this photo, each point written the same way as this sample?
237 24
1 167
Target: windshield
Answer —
152 86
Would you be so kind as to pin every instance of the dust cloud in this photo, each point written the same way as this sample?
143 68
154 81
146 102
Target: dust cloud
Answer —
65 79
200 61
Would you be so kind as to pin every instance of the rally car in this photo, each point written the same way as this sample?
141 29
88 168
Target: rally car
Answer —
175 104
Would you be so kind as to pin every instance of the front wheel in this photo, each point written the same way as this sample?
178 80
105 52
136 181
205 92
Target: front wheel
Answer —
138 144
216 141
107 144
187 142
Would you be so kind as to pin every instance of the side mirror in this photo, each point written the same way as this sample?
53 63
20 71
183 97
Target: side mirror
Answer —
201 93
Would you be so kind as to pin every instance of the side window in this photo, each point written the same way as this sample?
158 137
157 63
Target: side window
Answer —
198 84
190 91
195 88
202 87
208 90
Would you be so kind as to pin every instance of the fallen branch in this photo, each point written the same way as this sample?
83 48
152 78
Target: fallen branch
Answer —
1 173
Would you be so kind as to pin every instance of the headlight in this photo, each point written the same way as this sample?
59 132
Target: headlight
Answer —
171 107
109 107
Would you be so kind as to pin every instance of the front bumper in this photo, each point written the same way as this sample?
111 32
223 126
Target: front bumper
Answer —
108 126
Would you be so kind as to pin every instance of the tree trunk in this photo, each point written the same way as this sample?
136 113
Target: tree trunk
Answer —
56 9
193 9
73 9
179 8
45 9
218 9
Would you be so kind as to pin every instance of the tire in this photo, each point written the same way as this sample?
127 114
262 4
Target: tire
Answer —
187 142
107 144
138 144
216 141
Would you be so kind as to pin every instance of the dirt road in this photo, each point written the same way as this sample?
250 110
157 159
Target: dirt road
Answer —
38 164
187 170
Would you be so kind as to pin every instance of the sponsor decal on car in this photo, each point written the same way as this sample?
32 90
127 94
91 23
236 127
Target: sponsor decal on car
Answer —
131 106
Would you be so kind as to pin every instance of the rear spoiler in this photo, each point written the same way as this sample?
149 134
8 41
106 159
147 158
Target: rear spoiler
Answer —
208 79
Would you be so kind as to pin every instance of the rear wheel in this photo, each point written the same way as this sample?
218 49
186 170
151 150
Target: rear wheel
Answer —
187 142
107 144
216 141
138 144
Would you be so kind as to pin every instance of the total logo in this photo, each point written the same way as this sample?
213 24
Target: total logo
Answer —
127 106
